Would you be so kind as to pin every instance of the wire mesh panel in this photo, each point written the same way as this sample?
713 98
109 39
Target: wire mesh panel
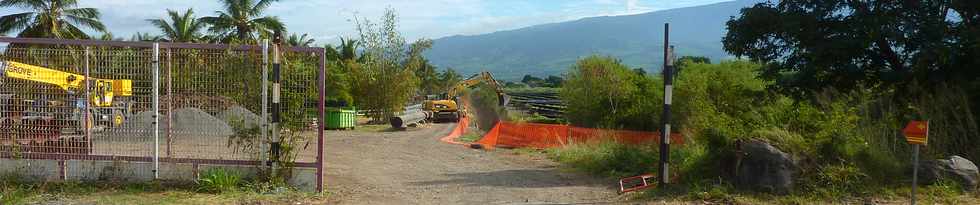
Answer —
96 100
300 107
42 100
213 96
124 127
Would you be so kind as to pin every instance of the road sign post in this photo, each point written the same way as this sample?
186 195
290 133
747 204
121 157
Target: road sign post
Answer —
917 134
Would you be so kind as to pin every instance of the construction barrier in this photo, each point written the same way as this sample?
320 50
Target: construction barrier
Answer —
457 132
534 135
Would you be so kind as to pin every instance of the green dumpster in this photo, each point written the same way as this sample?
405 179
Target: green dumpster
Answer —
341 118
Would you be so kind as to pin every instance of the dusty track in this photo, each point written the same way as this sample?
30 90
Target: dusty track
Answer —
414 167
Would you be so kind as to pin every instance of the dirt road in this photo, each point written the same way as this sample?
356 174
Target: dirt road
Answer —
414 167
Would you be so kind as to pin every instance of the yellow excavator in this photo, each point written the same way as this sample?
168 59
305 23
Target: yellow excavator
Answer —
41 116
448 109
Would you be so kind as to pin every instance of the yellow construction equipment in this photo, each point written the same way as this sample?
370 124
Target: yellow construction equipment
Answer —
448 108
58 114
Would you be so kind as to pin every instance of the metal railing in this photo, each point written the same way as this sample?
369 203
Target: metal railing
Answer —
155 102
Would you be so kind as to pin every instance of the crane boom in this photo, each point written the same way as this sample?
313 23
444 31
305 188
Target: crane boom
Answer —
104 90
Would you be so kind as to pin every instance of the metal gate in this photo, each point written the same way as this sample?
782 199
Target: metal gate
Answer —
85 102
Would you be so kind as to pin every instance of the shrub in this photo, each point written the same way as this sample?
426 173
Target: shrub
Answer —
607 158
218 180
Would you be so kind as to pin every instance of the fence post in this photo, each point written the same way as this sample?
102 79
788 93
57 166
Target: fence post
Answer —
321 120
265 98
86 115
276 72
156 110
668 88
170 103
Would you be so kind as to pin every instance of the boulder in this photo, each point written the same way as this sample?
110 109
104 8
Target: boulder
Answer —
955 168
765 168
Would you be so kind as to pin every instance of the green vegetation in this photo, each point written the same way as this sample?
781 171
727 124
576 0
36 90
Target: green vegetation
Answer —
15 190
181 28
845 142
242 22
603 92
50 19
218 181
471 136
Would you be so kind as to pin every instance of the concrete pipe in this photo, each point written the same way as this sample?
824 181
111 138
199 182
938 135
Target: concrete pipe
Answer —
407 119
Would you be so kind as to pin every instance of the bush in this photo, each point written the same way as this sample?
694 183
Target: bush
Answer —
607 158
602 92
847 144
218 180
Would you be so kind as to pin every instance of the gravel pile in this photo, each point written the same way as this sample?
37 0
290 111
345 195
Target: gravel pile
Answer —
187 122
238 114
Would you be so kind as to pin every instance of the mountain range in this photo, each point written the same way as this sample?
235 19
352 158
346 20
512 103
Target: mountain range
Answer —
551 49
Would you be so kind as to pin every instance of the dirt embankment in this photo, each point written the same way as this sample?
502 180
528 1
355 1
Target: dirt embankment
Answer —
414 167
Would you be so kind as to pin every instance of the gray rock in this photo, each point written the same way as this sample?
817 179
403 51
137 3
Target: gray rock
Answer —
956 168
765 168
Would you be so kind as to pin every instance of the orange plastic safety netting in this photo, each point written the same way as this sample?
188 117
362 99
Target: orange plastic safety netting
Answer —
534 135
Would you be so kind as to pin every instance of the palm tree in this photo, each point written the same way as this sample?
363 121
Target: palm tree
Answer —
242 20
50 19
145 37
297 40
348 49
181 28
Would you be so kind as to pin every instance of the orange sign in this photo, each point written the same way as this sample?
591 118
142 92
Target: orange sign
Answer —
917 132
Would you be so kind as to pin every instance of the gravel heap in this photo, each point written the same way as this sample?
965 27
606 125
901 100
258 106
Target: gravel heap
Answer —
187 122
238 114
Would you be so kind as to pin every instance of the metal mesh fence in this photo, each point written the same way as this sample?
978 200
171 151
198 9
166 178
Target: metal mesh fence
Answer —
94 100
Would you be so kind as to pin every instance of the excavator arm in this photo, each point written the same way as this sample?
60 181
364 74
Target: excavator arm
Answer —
485 77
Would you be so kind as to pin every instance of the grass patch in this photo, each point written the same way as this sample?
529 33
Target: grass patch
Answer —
219 180
470 137
15 190
606 158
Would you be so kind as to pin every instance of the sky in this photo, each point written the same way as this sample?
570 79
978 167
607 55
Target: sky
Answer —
328 20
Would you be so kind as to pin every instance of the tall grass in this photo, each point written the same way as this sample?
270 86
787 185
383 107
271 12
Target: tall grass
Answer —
219 180
846 144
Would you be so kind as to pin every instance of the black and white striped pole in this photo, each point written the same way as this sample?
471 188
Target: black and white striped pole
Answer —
276 73
668 89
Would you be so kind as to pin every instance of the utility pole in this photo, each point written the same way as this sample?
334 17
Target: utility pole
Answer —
668 89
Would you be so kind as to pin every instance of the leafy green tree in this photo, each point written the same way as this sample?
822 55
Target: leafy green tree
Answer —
687 60
242 21
602 92
386 78
531 80
810 45
554 81
300 40
447 79
181 28
50 19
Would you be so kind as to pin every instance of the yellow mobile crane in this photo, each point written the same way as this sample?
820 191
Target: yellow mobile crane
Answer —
47 120
448 107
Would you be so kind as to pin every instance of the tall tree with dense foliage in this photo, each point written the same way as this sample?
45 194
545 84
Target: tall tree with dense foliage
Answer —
243 21
50 19
603 92
385 74
181 28
809 45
